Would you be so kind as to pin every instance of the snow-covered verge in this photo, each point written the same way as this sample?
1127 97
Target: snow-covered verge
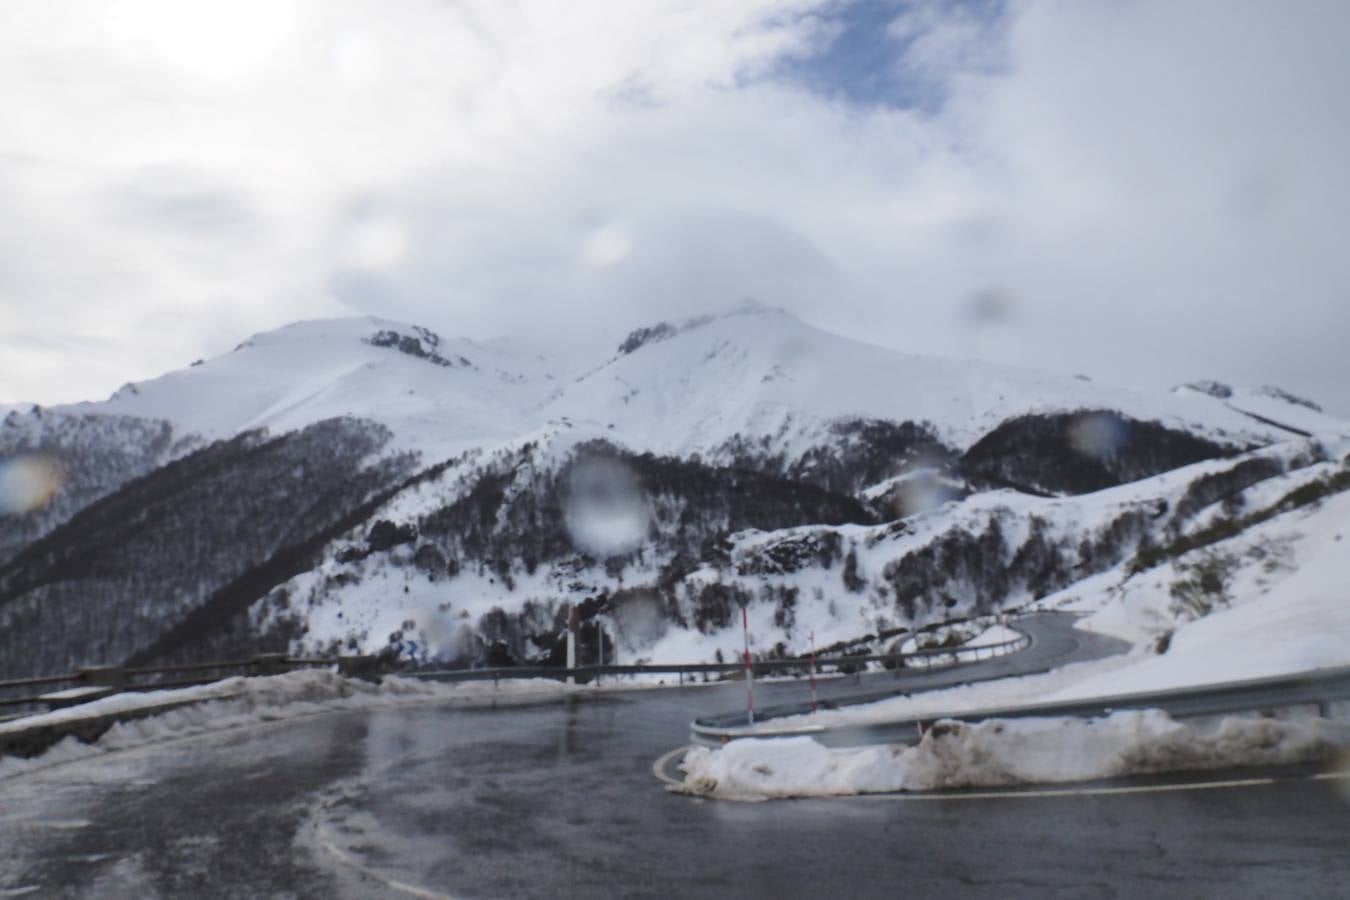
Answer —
997 753
1265 603
1269 602
235 702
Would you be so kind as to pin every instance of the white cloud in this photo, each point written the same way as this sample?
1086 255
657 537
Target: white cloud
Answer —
1155 191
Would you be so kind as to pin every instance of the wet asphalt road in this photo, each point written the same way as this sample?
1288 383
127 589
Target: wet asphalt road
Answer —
557 799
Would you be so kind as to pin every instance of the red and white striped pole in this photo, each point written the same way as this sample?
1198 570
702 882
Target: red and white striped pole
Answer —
571 641
813 671
749 671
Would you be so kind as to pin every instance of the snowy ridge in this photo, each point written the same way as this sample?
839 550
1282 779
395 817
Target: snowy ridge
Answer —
763 372
755 371
310 371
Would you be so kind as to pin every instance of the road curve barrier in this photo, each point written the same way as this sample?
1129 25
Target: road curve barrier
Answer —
1317 688
32 695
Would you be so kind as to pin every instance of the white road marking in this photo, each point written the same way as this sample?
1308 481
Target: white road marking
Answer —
1097 791
659 767
70 824
402 886
1079 792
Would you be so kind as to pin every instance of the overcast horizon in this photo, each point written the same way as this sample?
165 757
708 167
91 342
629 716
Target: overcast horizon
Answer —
1147 193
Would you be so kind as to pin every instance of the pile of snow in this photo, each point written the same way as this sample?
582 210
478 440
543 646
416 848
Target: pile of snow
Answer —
1000 753
995 634
986 637
241 701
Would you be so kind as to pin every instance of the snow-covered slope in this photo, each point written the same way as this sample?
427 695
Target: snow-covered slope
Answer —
1278 605
754 373
833 486
437 396
1271 406
762 372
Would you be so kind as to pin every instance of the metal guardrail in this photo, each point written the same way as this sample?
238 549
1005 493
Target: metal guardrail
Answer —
116 678
37 682
1319 688
123 679
926 659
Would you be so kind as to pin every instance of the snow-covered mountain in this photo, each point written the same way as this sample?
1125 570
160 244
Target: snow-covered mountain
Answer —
361 484
437 396
696 386
756 372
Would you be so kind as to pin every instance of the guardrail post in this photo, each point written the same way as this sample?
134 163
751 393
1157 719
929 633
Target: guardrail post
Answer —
106 676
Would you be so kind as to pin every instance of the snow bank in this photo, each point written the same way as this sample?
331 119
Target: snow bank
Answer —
240 701
996 634
999 753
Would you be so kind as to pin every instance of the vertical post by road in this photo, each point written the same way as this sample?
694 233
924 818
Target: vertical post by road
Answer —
600 640
749 670
571 641
813 670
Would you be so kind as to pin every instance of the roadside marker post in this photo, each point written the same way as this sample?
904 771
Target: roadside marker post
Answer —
600 639
571 641
749 670
813 671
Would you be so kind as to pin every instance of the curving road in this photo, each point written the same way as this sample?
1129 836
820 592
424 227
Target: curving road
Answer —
558 799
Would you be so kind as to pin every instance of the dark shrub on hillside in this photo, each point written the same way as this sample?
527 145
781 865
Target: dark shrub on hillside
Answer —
385 535
1077 453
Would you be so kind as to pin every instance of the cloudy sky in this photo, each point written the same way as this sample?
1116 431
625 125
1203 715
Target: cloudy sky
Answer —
1143 192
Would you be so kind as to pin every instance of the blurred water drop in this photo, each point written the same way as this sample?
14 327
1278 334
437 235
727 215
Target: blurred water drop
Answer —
443 631
606 511
641 618
1098 435
378 242
921 491
993 326
990 306
29 482
606 246
1341 784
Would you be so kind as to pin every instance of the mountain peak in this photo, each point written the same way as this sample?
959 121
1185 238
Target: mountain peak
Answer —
661 331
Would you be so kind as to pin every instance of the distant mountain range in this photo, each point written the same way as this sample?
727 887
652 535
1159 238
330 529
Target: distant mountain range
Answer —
361 485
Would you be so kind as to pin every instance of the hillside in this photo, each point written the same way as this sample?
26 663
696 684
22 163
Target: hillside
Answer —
359 484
